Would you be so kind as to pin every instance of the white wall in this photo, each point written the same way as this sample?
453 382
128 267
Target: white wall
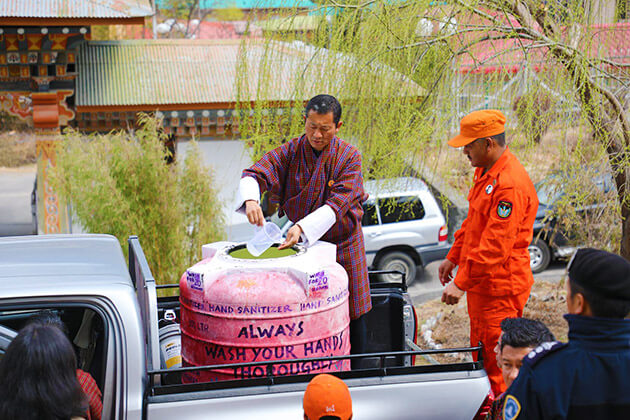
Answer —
227 159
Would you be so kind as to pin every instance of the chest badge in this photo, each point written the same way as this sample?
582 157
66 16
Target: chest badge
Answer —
504 209
489 189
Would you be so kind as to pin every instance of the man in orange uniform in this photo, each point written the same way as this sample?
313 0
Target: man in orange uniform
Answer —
490 249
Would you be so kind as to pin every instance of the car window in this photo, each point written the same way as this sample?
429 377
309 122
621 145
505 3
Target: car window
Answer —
280 221
400 209
548 192
369 215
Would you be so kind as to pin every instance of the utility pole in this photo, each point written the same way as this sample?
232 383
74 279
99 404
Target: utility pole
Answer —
154 19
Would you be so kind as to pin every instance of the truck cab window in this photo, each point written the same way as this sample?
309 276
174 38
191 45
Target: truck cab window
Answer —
83 326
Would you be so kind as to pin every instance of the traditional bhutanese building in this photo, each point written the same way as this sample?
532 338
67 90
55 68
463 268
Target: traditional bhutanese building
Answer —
40 42
52 76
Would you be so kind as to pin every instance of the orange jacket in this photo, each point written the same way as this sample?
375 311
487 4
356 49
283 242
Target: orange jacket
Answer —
491 246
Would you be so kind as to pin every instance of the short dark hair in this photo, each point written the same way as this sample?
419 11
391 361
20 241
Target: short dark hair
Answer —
323 104
524 332
602 306
48 317
499 138
40 362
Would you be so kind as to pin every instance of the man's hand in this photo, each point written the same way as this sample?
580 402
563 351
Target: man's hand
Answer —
254 213
445 271
451 294
293 236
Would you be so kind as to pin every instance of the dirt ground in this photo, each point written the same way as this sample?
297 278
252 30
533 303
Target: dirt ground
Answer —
539 159
547 303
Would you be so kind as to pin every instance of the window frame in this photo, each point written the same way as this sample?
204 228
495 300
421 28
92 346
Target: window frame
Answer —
377 212
111 384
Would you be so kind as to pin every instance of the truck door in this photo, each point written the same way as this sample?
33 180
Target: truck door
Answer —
147 299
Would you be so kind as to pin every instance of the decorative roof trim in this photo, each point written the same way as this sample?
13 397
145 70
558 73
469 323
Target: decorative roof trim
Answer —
52 21
174 107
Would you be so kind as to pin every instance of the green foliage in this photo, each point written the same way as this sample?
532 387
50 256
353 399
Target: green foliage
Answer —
583 199
120 184
179 9
350 55
544 65
534 112
229 13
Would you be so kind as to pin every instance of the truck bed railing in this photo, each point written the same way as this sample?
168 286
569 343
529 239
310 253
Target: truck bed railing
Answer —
269 378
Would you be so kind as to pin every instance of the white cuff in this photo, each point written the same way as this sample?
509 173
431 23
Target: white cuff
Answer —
316 224
247 190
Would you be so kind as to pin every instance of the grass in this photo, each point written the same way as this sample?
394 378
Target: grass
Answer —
17 148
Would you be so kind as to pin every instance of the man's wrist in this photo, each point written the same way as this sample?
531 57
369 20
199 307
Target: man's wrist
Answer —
457 286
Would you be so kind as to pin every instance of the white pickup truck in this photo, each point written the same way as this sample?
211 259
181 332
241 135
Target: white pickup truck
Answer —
112 312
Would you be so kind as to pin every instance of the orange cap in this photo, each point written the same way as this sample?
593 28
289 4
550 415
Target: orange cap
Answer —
477 125
327 395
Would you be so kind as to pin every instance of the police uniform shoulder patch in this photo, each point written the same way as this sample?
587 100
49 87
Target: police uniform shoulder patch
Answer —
543 350
504 209
511 408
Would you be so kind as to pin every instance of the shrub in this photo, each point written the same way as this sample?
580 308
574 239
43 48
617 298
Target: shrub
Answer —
119 183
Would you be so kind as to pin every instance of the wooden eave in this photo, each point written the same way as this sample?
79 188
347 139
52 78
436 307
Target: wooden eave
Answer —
52 21
172 107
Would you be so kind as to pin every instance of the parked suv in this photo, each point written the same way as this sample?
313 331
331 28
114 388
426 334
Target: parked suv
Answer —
551 240
403 227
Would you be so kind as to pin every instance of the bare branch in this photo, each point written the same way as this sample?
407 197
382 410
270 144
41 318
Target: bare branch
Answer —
508 50
610 62
479 12
352 6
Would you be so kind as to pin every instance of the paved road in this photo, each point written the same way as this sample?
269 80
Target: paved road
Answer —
427 285
15 201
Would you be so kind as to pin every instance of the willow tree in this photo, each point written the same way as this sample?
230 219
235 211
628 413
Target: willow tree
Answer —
406 72
571 50
381 90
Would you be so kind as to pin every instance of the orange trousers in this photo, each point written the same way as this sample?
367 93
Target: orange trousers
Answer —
486 313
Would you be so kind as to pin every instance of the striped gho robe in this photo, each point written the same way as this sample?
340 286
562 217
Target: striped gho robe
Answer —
300 182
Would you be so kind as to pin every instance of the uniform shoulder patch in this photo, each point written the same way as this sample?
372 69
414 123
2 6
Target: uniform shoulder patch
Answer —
504 209
543 350
511 408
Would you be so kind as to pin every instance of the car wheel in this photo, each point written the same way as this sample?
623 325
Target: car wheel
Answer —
539 256
398 261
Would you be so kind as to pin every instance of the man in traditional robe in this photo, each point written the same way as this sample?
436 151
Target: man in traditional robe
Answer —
317 182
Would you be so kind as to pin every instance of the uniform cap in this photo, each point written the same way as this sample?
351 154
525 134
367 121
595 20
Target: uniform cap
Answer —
602 273
478 124
327 395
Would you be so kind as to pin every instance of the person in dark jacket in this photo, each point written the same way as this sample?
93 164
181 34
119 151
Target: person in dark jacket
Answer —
519 336
588 377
